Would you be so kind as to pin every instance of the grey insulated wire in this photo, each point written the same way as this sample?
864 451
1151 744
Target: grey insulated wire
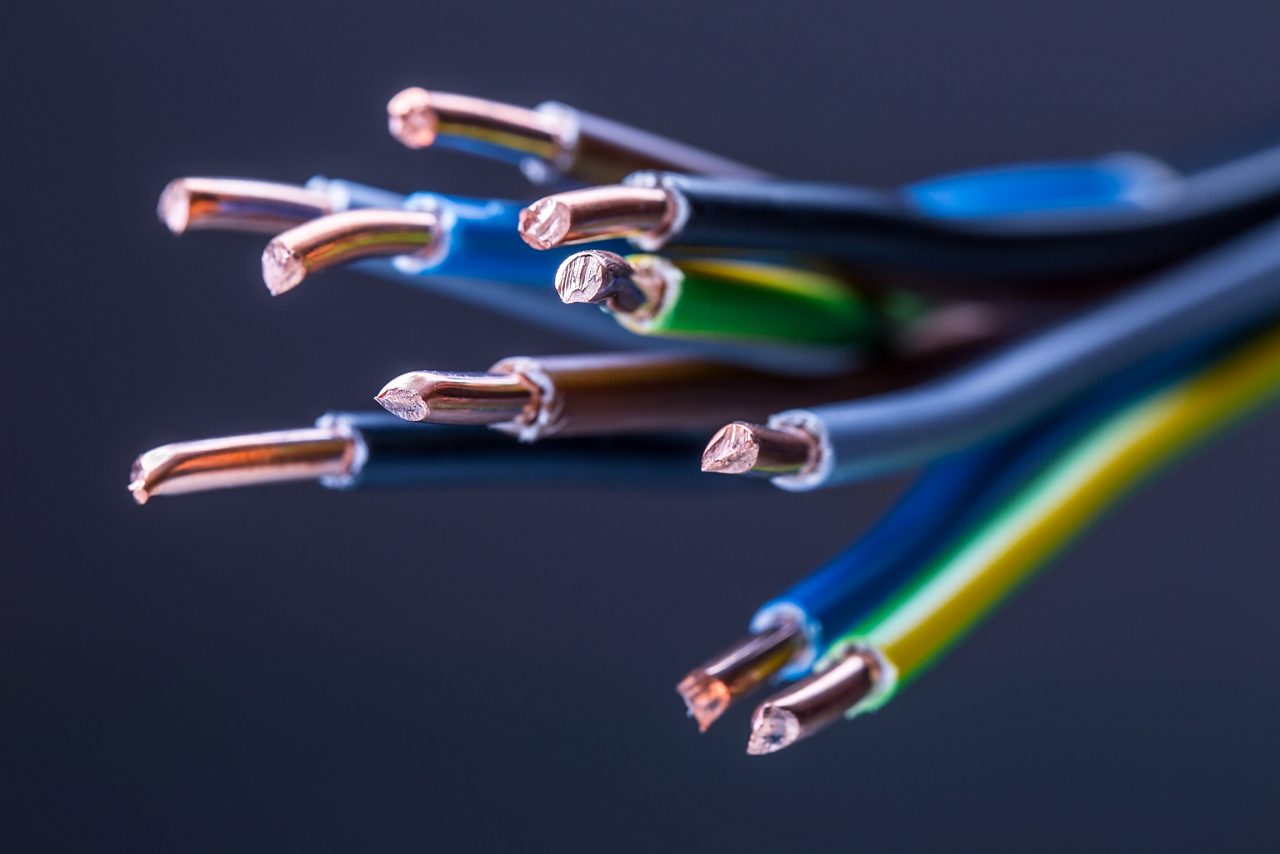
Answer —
1229 289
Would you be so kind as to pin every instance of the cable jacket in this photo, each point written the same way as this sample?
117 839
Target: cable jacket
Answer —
398 453
949 597
884 230
1224 291
949 497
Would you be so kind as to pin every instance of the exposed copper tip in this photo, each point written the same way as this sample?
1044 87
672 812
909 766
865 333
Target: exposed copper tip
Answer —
811 705
237 204
732 450
545 224
757 450
772 730
232 461
282 268
403 403
340 238
714 686
705 697
439 397
606 278
596 213
411 119
174 210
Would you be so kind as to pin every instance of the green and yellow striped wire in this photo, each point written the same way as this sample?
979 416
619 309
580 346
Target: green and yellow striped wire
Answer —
949 597
754 301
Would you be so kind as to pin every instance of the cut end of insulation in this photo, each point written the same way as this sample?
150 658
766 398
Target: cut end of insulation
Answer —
734 450
174 207
403 402
138 489
705 697
282 268
545 223
411 119
589 276
772 730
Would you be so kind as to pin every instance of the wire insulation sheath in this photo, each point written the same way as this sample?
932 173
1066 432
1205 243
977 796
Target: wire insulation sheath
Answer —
949 597
1223 291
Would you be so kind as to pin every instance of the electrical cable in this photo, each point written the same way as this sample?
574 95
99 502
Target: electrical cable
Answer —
362 450
947 598
884 232
1221 292
538 397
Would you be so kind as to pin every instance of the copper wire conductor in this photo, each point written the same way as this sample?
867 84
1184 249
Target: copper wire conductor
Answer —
759 451
246 460
234 204
458 398
416 118
607 278
812 704
596 213
343 237
710 689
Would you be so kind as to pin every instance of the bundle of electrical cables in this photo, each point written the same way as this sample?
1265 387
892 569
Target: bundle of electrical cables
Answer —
1039 338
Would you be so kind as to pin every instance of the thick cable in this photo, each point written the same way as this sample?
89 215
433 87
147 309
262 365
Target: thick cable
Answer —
1228 289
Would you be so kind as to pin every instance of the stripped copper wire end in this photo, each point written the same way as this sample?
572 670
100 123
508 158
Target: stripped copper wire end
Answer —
233 461
812 704
439 397
759 451
236 204
705 698
606 278
417 118
344 237
711 688
597 213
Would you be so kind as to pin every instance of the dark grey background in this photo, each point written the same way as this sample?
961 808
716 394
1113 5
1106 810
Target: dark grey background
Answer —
294 669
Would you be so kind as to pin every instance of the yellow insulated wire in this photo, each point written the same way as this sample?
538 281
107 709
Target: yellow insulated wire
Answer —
951 596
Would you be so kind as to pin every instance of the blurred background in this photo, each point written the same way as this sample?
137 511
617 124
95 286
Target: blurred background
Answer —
468 669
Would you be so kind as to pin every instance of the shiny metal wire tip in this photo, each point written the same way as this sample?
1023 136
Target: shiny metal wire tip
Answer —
710 689
236 204
246 460
596 213
341 238
440 397
812 704
759 451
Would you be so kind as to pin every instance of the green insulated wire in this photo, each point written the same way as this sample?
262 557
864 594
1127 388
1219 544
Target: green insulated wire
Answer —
750 301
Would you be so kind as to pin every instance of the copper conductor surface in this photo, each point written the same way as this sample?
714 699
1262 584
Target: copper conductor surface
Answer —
344 237
759 451
710 689
812 704
234 204
232 461
596 213
441 397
